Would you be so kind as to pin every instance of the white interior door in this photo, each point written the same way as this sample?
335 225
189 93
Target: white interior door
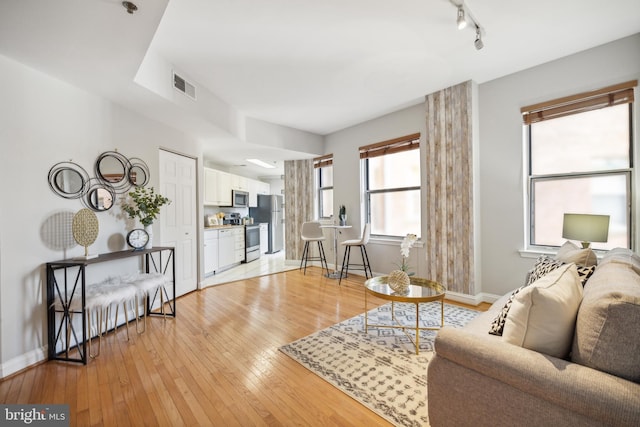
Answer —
178 221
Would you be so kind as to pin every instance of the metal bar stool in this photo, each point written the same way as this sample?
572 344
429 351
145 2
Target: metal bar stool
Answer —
365 266
311 232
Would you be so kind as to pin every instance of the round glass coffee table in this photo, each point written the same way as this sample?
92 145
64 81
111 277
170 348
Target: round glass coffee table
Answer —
419 291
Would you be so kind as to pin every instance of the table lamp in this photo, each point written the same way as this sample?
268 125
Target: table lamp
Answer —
586 228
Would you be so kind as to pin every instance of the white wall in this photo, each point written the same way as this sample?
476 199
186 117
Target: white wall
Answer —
501 153
346 178
499 180
44 121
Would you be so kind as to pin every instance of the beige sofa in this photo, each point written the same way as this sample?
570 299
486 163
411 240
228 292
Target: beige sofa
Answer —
479 379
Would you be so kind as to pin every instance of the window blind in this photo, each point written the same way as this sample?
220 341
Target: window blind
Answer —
404 143
323 161
606 97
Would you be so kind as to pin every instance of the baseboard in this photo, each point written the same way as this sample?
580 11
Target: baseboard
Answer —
23 361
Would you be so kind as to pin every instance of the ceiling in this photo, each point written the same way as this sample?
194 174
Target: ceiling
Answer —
314 66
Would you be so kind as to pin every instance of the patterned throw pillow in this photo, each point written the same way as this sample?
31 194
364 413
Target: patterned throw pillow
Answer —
585 272
543 266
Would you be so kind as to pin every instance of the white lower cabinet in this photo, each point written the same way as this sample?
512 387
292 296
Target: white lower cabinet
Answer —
210 252
264 237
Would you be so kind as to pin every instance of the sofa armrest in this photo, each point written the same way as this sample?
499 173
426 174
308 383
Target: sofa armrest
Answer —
576 388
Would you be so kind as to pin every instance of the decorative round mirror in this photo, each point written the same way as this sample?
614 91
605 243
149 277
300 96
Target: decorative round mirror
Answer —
113 168
68 180
100 196
139 172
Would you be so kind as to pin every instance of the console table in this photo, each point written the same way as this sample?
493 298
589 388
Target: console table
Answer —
66 284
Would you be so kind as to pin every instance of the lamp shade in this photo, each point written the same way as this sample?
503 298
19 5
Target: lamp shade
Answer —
586 228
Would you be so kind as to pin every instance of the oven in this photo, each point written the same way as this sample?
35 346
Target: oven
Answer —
251 242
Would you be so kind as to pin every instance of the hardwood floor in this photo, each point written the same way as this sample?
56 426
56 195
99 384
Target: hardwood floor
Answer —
217 363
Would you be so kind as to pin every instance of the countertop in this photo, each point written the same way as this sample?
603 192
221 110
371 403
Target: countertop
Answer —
218 227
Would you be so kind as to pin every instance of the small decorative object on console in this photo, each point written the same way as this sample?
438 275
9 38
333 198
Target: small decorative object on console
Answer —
137 239
85 230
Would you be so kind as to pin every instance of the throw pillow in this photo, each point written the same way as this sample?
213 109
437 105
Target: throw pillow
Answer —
585 272
569 252
543 266
543 315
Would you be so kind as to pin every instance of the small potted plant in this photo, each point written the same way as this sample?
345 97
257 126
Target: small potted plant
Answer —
145 204
343 215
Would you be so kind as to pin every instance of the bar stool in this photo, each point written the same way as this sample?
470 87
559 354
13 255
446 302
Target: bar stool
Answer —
311 232
363 251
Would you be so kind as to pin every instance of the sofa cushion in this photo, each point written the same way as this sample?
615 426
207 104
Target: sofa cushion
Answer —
543 265
569 252
542 316
606 335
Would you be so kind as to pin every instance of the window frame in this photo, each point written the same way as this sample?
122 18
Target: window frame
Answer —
319 163
563 107
405 143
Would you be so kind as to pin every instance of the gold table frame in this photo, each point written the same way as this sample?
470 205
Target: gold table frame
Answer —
419 291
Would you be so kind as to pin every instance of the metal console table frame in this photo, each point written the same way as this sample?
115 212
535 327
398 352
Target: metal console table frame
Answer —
61 292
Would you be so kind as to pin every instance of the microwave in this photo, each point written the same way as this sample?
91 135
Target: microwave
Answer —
239 199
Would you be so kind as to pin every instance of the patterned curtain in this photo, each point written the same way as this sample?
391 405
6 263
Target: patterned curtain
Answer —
449 161
298 203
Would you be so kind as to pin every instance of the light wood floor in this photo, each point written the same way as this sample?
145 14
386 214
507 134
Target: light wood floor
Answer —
216 364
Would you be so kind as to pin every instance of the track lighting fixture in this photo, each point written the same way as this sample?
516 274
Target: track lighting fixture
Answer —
131 7
478 42
465 19
462 22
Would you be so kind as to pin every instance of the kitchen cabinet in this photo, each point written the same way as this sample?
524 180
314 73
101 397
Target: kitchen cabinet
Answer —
239 182
217 188
210 252
257 187
264 237
239 244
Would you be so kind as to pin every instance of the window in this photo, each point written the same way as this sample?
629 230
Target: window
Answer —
392 186
580 161
324 179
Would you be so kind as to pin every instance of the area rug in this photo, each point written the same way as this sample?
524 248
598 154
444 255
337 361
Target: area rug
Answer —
380 368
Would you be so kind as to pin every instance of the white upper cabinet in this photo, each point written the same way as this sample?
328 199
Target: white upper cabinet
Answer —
239 183
217 187
257 187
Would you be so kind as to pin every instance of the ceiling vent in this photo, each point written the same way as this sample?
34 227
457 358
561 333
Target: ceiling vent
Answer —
184 86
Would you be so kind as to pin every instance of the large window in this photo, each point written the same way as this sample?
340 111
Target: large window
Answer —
324 179
580 161
392 186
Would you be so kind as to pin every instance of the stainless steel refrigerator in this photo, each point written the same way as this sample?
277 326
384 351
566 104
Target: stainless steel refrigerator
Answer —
270 210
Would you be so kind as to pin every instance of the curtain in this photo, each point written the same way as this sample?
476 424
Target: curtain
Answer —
298 203
449 166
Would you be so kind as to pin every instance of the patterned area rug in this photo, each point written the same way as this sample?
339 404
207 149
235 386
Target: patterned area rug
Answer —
380 368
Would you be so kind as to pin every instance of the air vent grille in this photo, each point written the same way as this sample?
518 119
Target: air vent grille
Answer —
184 86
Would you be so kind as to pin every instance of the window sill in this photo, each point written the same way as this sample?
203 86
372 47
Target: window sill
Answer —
536 252
393 241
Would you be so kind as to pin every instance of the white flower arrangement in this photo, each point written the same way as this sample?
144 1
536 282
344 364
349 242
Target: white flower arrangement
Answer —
405 247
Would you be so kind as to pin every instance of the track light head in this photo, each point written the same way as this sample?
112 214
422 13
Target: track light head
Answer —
131 7
478 42
462 22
